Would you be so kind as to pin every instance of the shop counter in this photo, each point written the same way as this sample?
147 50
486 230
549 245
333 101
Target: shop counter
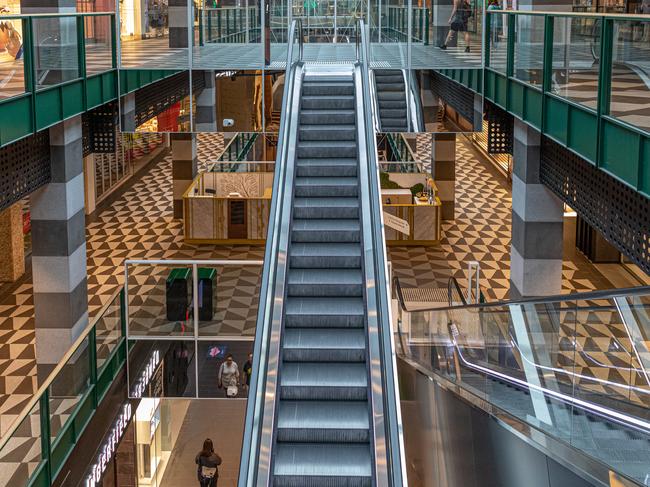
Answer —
422 217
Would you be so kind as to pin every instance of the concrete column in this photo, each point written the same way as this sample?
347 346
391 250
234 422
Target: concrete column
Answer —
205 119
90 182
430 103
12 243
127 113
184 167
47 6
536 250
178 23
443 162
59 249
478 113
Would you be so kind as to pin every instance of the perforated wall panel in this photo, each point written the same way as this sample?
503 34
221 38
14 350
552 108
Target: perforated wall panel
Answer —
25 167
500 129
455 94
102 122
617 211
85 135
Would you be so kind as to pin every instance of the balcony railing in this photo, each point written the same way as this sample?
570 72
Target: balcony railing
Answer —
56 417
582 79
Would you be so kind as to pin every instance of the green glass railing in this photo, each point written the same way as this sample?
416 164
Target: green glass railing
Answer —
398 24
56 417
239 147
56 49
400 150
581 79
230 25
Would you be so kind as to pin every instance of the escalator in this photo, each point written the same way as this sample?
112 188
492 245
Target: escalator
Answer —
323 408
397 103
570 371
323 411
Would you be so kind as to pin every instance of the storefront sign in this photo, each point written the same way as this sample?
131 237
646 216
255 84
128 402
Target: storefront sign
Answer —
146 375
397 223
108 449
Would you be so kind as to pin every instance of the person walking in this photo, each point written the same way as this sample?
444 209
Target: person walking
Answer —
496 23
248 372
228 376
460 14
207 462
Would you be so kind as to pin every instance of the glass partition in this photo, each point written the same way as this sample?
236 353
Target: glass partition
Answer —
64 404
498 41
576 51
12 67
108 332
69 387
56 50
529 49
574 368
630 89
98 37
184 319
154 37
22 455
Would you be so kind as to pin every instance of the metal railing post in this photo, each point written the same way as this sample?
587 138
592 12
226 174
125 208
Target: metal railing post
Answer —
92 363
46 447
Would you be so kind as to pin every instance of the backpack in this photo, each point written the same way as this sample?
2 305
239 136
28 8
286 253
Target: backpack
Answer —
205 472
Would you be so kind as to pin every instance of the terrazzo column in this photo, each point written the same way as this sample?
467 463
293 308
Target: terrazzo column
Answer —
127 113
430 103
12 243
46 6
178 23
184 167
205 119
59 249
443 169
478 113
536 249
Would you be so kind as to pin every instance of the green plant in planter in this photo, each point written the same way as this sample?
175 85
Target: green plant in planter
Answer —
386 183
417 188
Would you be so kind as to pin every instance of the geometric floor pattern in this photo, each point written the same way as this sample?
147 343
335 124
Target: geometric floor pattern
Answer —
480 232
138 224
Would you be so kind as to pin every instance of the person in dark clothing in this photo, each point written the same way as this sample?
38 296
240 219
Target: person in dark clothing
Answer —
460 14
248 372
208 462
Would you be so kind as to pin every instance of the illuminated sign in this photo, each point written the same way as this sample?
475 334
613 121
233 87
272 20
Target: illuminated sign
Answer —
146 375
108 449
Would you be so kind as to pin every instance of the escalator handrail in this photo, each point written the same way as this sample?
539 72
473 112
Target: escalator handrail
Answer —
270 304
451 284
413 102
390 467
591 295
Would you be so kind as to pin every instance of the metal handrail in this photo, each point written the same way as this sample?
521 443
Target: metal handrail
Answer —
602 294
451 285
271 304
382 356
53 375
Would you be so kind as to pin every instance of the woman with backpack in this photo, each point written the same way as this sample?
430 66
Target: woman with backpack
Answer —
460 14
208 461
